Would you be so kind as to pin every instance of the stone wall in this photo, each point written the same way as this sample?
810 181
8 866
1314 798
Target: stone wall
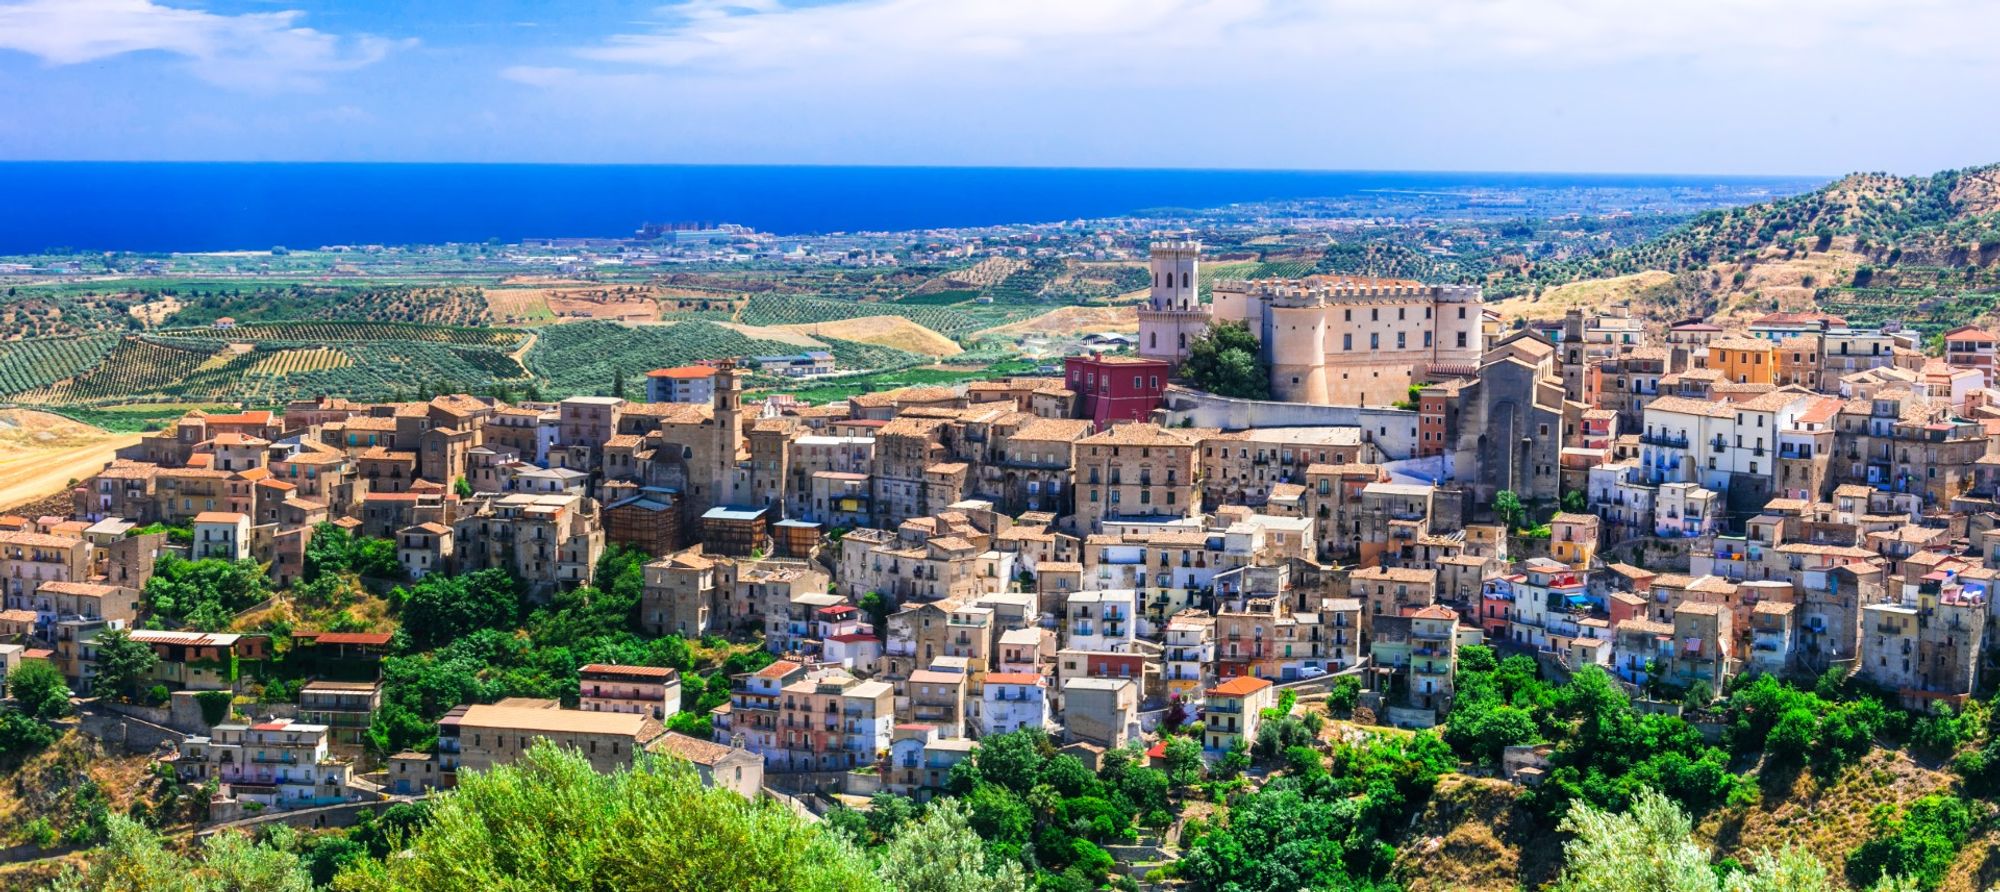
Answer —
132 734
1392 431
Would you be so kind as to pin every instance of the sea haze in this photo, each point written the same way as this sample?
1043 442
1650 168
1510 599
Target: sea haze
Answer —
155 207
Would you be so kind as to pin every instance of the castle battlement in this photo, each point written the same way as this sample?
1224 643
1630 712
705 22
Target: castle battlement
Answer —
1176 247
1323 290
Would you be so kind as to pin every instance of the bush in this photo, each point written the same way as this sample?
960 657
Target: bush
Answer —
38 686
1344 695
1920 845
214 705
21 735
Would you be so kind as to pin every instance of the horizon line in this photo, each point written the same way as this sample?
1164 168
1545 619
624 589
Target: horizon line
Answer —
1114 168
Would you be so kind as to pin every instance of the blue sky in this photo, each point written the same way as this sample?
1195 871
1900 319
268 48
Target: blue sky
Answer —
1688 86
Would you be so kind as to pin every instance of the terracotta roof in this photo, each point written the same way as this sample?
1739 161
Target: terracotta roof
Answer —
558 721
1240 686
693 749
368 639
683 372
1140 434
1395 574
1685 406
37 540
634 671
993 678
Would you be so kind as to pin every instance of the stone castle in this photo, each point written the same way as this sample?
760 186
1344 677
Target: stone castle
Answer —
1329 339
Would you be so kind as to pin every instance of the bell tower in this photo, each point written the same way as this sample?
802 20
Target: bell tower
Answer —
728 444
1173 314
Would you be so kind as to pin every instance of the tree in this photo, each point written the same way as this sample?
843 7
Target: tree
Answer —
21 735
1574 502
1507 508
1344 694
439 608
940 853
334 550
462 488
204 592
136 859
1649 848
121 664
1226 360
548 821
1921 844
1184 762
38 686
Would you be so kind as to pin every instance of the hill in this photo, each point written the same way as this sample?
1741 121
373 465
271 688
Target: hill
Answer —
895 332
1872 247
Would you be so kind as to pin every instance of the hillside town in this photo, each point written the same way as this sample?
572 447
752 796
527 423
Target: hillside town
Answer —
1102 555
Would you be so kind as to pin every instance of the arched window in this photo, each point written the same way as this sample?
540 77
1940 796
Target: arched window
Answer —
1155 340
1184 280
1183 340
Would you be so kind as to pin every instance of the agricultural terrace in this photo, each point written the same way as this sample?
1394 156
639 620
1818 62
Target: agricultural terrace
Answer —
593 357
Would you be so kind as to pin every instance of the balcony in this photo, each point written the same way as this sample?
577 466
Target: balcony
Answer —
1666 441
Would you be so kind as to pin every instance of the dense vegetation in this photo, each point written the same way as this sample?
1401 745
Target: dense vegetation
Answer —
1225 360
546 822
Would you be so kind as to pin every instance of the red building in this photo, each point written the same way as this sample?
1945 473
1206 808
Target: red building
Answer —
1116 388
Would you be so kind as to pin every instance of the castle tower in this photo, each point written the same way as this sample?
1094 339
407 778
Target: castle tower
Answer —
1173 315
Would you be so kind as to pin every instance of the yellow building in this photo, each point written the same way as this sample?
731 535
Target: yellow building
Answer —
1573 539
1232 710
1744 360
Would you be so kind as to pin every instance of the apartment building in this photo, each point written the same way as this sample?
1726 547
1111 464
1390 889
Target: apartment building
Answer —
653 691
1233 710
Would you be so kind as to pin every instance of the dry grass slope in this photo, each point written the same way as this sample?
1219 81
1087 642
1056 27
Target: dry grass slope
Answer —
1073 320
895 332
1588 296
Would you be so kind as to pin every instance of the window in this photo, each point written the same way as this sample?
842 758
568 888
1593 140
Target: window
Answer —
1347 342
1374 341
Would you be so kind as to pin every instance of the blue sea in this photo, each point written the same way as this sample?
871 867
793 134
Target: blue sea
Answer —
205 206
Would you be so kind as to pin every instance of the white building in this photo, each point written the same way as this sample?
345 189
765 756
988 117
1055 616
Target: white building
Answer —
1015 700
1101 620
279 763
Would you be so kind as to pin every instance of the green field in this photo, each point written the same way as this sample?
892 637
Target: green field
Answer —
938 298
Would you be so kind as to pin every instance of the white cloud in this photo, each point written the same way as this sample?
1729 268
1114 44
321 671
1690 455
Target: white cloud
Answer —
252 51
863 37
1729 85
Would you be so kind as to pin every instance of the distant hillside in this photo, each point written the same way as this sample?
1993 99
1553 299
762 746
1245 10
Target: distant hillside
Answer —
1871 247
